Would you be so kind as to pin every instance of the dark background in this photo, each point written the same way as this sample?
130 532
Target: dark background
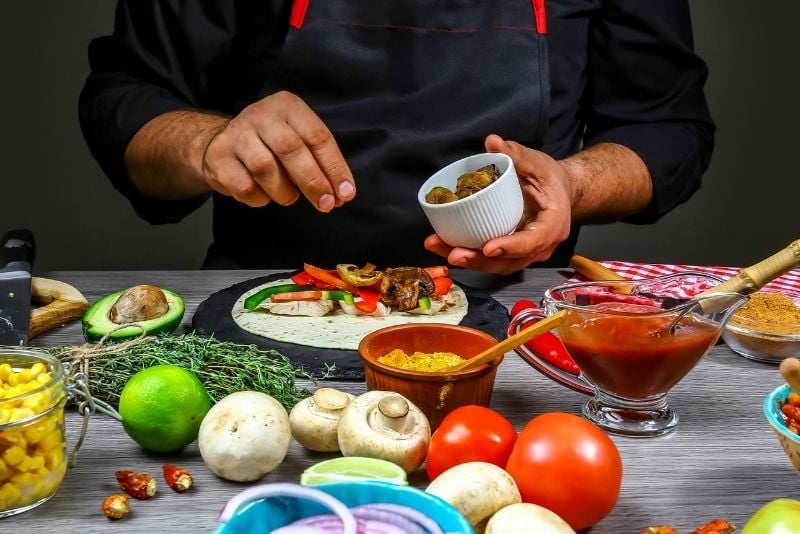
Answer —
746 210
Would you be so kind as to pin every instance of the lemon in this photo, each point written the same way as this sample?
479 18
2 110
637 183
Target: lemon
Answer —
353 468
162 407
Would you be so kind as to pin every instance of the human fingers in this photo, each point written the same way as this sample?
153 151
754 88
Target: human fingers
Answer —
434 244
226 174
306 150
266 171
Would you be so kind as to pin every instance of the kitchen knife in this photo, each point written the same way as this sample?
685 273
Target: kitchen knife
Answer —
17 252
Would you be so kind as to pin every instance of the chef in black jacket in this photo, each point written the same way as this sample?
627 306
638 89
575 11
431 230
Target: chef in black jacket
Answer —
312 124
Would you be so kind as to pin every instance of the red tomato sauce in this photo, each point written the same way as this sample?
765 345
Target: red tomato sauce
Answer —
635 357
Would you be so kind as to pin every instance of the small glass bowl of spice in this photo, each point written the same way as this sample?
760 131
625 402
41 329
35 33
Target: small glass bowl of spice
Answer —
766 328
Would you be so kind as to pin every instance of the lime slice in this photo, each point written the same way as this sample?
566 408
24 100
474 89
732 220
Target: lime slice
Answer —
353 468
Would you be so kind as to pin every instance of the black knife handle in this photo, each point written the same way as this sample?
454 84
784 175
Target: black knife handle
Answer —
18 245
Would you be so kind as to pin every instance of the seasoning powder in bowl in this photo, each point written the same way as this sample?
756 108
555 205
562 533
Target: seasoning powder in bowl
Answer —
420 361
766 328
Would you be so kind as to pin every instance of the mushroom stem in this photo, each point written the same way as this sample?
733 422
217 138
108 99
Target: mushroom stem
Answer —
392 414
331 399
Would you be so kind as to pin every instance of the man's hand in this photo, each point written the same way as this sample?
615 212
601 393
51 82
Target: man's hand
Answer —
273 151
602 183
546 186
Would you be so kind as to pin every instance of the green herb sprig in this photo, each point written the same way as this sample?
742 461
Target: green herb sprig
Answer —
222 367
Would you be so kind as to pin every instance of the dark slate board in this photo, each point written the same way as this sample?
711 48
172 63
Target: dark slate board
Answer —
213 318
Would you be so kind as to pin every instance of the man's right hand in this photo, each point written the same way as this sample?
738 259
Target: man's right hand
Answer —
274 150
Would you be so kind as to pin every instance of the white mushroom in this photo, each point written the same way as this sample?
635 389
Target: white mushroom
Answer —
385 425
477 490
244 436
527 518
314 421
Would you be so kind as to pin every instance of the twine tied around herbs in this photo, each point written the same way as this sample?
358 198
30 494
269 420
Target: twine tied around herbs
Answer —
77 375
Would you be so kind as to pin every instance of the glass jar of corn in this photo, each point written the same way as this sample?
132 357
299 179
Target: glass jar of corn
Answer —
33 393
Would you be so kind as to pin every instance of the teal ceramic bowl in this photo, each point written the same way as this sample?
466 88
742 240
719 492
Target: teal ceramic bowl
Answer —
268 514
788 439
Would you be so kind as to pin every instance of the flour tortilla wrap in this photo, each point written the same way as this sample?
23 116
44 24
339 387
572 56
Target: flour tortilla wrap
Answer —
336 330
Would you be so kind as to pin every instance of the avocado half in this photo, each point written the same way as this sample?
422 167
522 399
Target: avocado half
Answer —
97 322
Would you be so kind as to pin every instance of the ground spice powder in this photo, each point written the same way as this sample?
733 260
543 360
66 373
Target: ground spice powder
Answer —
771 313
420 361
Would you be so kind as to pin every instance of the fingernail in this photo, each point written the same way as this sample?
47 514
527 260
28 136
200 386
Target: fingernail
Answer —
346 189
495 252
326 202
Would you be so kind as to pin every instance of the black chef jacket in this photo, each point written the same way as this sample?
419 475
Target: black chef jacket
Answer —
620 71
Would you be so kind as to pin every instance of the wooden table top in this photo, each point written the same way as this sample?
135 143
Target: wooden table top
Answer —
722 461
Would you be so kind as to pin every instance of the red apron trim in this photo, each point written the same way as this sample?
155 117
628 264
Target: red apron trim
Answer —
299 8
540 16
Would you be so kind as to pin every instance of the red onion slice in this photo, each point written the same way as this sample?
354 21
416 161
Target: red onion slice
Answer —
425 523
277 489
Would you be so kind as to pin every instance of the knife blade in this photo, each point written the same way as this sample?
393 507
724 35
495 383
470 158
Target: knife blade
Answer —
17 251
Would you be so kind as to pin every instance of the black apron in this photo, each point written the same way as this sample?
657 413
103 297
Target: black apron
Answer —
406 87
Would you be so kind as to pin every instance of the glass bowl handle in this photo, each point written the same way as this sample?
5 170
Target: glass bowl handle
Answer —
558 371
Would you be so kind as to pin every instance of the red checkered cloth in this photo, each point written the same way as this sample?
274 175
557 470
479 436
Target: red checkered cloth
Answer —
788 283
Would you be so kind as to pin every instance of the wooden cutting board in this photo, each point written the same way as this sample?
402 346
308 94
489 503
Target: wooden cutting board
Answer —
54 304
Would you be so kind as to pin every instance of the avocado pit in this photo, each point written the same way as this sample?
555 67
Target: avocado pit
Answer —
139 303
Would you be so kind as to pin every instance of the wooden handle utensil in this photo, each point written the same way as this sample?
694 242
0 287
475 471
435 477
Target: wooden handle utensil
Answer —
509 343
592 270
753 278
790 369
61 304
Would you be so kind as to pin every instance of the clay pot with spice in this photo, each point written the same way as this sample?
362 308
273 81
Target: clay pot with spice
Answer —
766 328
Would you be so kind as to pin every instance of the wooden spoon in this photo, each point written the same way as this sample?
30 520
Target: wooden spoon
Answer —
509 343
790 369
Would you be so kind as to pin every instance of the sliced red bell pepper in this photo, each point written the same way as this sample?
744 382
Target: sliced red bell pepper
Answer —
441 286
326 276
369 299
304 279
436 271
547 346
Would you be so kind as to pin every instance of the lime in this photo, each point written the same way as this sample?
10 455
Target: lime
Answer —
162 407
353 468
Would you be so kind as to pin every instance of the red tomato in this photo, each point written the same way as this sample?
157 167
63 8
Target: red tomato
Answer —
568 465
470 434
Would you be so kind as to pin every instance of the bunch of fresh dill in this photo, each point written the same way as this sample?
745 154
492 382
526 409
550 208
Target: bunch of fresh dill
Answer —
222 367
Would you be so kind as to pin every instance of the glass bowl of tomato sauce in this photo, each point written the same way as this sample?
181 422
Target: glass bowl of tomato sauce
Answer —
633 342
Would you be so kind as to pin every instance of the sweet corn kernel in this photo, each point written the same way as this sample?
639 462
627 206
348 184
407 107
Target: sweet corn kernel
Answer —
37 369
12 379
9 493
23 479
49 442
43 378
12 391
5 416
5 371
36 432
13 455
18 414
54 459
25 463
37 463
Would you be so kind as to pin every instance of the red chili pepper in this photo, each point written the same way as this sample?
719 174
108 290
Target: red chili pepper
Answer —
177 478
547 346
139 485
